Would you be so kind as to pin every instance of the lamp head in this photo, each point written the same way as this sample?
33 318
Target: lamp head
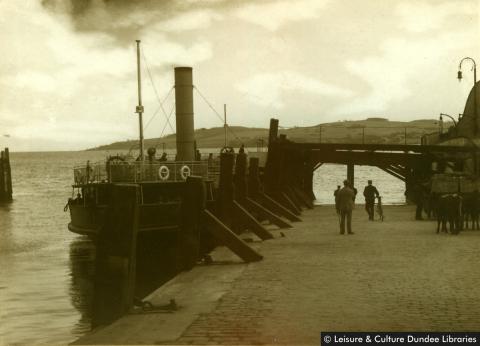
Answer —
459 75
441 119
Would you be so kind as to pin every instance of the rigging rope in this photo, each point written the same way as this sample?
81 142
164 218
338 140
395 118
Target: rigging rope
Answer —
218 114
156 92
158 109
165 126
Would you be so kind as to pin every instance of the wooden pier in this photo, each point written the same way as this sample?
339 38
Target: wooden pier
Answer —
244 219
5 177
397 275
248 198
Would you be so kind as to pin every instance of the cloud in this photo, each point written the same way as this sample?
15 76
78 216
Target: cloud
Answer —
54 78
192 20
269 89
273 15
399 68
418 17
162 52
123 20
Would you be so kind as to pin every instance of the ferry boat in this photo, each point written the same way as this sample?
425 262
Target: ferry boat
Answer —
160 180
160 191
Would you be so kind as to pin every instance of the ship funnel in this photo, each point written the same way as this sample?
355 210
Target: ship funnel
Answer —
184 114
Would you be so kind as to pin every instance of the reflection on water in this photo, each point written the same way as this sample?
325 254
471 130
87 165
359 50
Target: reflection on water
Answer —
153 268
82 263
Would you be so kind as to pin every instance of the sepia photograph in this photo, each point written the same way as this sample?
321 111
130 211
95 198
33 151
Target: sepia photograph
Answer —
239 172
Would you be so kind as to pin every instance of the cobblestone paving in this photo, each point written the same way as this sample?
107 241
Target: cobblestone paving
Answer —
392 276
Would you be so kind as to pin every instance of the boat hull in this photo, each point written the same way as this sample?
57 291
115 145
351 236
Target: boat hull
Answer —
157 217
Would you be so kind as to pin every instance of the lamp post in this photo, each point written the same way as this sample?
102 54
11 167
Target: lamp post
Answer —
446 115
460 76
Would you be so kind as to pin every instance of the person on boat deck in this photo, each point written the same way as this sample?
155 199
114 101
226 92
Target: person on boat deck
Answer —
151 154
89 172
163 157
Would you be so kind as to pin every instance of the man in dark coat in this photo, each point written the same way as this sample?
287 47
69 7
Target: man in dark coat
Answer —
336 199
418 197
370 192
345 201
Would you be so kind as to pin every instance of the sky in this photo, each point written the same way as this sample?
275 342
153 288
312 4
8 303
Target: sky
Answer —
68 67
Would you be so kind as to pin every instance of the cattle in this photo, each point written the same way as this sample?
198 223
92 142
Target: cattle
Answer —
449 209
430 202
471 209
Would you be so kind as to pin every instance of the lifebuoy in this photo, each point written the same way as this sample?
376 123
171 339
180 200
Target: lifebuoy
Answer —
163 172
185 172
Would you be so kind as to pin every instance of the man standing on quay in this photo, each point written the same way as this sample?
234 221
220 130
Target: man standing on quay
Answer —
370 192
344 198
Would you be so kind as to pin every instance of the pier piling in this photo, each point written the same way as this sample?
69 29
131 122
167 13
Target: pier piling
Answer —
193 204
351 173
5 177
115 263
225 188
243 218
254 189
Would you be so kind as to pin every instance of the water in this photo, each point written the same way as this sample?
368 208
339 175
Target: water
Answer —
46 271
327 177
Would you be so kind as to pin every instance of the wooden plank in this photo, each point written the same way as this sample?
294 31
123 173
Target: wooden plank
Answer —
277 208
230 239
390 171
251 223
293 197
283 199
267 213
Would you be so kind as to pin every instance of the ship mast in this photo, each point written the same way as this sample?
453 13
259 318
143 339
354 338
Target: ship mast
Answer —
139 108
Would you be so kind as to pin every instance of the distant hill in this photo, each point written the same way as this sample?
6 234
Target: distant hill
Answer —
371 130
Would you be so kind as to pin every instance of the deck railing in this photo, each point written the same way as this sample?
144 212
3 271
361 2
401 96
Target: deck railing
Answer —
136 172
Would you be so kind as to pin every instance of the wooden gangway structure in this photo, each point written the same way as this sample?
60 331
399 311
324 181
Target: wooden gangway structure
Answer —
290 165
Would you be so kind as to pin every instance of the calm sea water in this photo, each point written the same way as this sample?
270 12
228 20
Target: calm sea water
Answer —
45 282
